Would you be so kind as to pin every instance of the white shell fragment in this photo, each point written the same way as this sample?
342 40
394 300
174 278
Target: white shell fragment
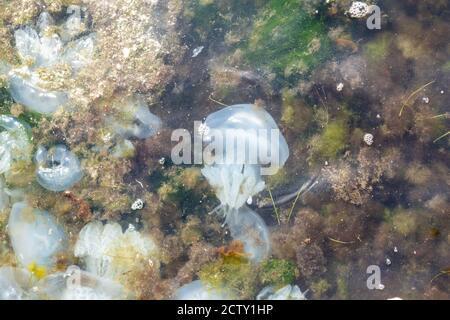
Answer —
368 139
358 10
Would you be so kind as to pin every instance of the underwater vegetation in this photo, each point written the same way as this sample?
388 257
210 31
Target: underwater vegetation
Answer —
91 91
287 41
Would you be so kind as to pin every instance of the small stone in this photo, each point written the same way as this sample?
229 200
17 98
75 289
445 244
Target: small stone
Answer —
339 87
388 261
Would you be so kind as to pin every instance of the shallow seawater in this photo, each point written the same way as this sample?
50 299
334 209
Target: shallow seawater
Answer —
359 210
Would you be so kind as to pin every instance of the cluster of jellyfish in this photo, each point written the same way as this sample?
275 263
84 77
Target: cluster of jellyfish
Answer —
36 236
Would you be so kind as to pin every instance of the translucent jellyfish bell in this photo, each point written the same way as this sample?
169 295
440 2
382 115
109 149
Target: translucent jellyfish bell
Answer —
288 292
15 283
35 236
248 227
4 197
198 290
263 138
134 119
76 284
58 169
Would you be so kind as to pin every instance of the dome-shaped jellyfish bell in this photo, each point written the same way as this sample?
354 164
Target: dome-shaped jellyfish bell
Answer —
35 235
58 169
249 228
252 124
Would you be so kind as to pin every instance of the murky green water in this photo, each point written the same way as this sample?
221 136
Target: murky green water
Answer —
359 210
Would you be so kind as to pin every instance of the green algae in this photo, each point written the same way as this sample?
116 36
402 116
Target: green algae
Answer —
234 273
278 273
183 187
286 41
333 140
378 49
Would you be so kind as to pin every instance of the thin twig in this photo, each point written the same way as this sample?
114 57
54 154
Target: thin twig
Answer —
274 206
443 272
218 102
341 242
443 136
413 94
294 203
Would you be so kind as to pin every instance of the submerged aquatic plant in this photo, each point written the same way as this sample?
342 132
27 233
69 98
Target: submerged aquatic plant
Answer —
58 169
287 41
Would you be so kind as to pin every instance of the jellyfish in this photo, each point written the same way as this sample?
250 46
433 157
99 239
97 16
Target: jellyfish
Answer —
43 52
14 142
264 144
238 175
35 236
198 290
234 184
108 252
4 197
287 292
15 283
248 227
77 284
58 169
133 119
